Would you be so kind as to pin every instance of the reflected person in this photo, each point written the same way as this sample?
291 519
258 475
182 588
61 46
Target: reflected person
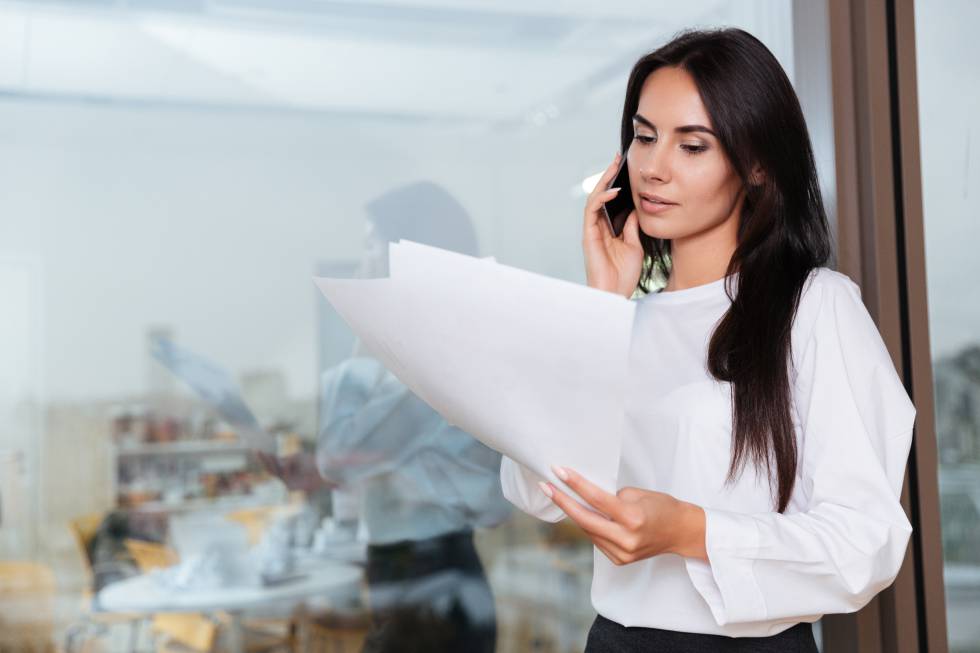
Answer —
424 484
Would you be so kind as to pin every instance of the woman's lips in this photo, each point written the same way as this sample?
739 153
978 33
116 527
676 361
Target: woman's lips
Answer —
654 207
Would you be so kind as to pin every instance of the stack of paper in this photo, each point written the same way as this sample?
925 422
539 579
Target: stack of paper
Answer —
532 366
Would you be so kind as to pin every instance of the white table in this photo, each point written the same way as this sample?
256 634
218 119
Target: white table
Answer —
144 594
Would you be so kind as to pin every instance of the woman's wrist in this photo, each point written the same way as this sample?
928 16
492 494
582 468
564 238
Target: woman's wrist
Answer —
690 523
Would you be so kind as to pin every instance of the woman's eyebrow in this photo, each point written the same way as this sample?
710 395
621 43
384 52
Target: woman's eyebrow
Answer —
683 129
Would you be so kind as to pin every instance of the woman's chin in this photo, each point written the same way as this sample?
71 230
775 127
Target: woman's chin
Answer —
655 226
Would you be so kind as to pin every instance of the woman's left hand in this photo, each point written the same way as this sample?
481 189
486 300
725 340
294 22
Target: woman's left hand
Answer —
632 524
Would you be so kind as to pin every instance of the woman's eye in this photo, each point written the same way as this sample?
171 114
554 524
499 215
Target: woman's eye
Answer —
694 149
643 138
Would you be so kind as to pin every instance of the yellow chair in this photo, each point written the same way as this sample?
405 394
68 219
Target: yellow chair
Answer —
191 630
150 555
83 530
26 607
337 634
188 629
257 520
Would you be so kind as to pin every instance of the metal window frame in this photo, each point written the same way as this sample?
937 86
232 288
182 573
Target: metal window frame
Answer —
881 246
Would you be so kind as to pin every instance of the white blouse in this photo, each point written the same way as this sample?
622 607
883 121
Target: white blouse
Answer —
844 534
417 476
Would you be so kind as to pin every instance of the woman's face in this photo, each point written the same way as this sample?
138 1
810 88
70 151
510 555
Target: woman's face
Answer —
675 155
374 258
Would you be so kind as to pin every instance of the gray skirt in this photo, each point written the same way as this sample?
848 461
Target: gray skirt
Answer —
607 636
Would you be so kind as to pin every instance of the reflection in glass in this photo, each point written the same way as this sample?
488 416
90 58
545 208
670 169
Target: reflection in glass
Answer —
423 484
180 170
948 92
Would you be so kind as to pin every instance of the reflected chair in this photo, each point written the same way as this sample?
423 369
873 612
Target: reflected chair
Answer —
337 633
94 621
26 607
190 630
150 555
257 519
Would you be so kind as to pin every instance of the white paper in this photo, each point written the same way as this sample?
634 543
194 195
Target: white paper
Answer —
532 366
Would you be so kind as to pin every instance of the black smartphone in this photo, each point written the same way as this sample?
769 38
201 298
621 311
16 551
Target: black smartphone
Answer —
618 208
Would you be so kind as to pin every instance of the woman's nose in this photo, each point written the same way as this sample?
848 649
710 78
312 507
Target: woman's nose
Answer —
654 164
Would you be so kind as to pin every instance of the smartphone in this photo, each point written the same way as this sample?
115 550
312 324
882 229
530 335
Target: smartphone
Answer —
618 209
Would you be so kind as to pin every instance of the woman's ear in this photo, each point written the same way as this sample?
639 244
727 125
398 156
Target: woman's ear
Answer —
757 176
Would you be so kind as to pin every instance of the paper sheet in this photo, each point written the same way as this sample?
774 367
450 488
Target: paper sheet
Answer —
532 366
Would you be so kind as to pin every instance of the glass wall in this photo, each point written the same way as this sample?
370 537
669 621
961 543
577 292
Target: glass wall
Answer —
949 92
174 174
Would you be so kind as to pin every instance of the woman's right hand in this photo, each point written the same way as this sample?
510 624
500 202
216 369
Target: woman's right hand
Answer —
298 471
612 263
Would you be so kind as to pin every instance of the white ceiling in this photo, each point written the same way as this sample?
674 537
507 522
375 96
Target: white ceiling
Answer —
407 59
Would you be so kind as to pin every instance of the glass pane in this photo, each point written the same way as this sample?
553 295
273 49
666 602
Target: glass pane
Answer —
948 87
174 174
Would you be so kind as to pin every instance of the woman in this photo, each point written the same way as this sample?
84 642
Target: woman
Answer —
424 484
753 353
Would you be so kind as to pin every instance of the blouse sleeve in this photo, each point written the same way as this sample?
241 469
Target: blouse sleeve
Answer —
370 422
849 541
464 473
520 487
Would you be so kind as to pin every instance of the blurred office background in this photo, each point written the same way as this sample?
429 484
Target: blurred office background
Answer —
179 169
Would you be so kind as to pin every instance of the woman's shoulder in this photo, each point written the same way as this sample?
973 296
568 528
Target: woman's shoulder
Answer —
823 279
824 291
840 347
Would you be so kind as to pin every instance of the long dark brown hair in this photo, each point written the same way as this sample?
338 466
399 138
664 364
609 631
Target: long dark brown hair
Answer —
782 233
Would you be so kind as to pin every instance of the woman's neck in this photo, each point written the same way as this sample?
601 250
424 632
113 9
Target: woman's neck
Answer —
690 267
703 257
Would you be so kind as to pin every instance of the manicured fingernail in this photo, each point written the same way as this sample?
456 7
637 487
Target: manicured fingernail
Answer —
547 490
560 472
609 190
